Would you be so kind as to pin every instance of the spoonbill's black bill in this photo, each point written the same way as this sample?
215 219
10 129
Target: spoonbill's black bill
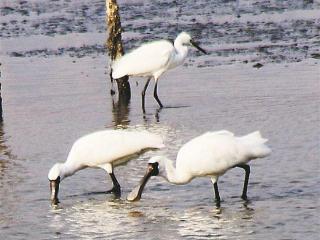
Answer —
136 193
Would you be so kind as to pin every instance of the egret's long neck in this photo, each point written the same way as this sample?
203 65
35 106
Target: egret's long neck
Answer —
174 176
182 51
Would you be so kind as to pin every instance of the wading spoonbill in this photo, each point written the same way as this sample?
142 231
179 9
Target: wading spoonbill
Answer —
211 155
152 60
103 149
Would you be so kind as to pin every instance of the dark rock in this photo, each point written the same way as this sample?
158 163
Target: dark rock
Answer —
257 65
315 55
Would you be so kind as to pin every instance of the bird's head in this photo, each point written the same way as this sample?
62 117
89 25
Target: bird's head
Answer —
55 176
156 167
158 164
185 39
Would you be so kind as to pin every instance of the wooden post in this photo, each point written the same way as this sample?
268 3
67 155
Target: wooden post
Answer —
114 46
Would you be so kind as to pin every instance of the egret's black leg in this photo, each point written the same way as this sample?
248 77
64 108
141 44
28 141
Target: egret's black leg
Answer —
155 94
246 180
216 193
112 92
144 93
116 189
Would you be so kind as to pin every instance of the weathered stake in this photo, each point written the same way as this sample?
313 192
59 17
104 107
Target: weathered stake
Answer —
114 45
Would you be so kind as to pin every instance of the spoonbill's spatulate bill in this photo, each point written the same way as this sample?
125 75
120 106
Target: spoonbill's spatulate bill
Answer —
104 149
211 154
152 60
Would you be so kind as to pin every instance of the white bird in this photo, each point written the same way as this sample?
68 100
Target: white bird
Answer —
103 149
152 60
211 154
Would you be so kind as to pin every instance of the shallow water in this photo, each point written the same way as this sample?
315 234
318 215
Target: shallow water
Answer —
51 99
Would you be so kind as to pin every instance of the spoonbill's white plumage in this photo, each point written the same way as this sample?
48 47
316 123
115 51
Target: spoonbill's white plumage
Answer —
210 154
153 59
103 149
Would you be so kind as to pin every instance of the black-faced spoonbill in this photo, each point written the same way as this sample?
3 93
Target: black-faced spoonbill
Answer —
211 154
103 149
152 60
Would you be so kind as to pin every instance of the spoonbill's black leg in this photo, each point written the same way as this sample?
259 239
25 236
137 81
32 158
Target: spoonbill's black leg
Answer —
216 193
144 93
246 180
116 189
155 94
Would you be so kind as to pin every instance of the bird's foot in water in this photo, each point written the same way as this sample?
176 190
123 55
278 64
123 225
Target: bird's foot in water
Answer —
55 202
217 202
244 197
115 190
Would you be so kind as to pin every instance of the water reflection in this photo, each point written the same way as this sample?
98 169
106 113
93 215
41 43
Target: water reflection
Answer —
121 113
121 110
103 219
5 153
1 118
9 179
148 118
203 222
120 219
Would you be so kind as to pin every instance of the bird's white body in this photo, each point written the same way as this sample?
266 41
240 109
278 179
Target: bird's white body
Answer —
211 154
151 59
105 149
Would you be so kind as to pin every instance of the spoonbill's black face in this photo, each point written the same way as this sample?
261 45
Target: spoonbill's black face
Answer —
136 193
54 189
196 45
153 168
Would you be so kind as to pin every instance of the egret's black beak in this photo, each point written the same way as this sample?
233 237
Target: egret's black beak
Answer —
136 193
54 188
197 46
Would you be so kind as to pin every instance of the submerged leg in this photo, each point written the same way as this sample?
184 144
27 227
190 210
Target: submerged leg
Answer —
144 93
116 189
246 180
155 94
216 191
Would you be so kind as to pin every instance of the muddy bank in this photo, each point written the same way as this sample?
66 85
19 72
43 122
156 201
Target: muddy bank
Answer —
286 31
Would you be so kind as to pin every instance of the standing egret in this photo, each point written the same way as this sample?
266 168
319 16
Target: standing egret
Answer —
152 60
210 154
103 149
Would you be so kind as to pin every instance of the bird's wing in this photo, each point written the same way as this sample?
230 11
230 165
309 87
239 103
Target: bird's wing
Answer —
105 146
145 60
208 153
